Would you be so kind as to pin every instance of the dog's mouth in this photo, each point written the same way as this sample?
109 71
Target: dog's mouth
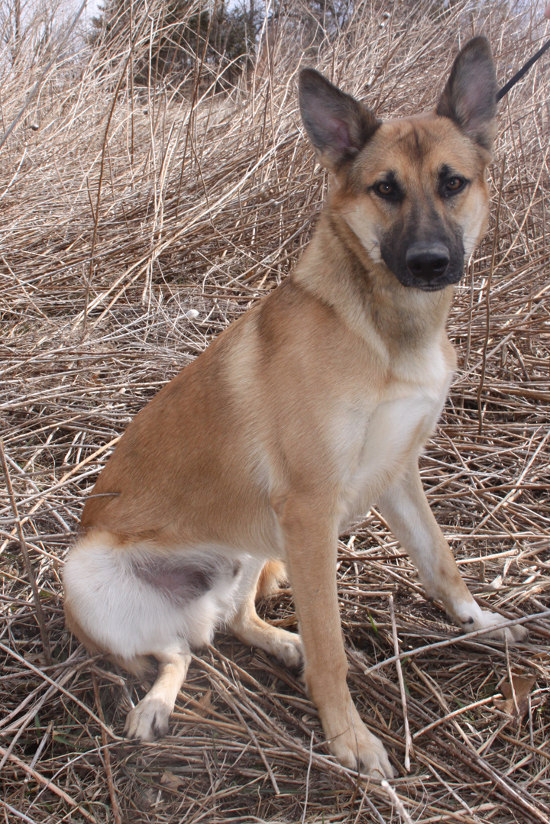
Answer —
431 287
435 285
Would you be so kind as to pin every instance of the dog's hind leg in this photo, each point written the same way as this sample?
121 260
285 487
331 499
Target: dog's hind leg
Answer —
138 600
149 719
405 508
249 628
271 576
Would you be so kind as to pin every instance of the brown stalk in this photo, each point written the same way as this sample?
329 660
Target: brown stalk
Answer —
39 613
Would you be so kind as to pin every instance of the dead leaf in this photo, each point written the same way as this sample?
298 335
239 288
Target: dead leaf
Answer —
171 781
516 695
204 704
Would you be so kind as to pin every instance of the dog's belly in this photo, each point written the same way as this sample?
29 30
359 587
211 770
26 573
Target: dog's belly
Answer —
383 445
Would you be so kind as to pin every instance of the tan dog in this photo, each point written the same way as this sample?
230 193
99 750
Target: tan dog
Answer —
309 409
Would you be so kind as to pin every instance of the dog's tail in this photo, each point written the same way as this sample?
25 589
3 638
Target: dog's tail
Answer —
271 577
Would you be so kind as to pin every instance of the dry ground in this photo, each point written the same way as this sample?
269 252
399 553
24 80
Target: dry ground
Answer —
121 210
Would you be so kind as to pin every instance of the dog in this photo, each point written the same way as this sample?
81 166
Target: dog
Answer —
310 408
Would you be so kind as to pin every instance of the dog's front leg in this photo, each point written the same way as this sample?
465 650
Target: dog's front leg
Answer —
405 508
310 535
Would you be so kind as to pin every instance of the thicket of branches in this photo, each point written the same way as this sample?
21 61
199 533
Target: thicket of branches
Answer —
227 36
183 34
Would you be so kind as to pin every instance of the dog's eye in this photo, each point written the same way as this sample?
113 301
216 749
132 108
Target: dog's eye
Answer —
453 185
386 190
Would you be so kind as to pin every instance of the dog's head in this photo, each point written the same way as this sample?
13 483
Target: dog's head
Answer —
413 190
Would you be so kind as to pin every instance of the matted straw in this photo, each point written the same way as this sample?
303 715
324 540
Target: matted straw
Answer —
137 222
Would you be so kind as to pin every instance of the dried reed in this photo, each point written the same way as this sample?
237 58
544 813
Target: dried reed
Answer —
123 208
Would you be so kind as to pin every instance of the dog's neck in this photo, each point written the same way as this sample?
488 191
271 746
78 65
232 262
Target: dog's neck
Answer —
366 294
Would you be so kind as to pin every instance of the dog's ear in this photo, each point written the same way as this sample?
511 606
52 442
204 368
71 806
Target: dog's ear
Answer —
336 123
470 96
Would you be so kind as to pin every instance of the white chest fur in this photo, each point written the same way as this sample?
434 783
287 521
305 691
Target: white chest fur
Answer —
378 443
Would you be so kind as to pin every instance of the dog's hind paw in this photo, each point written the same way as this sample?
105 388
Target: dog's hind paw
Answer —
284 645
289 650
148 720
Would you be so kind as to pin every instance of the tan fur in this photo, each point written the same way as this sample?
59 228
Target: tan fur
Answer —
301 415
271 577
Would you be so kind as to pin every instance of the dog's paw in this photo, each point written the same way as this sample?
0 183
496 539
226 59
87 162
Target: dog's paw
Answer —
280 643
358 749
289 650
148 720
284 645
492 621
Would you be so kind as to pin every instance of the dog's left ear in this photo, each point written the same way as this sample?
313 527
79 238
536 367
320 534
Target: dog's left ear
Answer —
470 96
336 123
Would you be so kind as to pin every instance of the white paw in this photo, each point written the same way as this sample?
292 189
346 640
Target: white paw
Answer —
492 621
148 720
358 749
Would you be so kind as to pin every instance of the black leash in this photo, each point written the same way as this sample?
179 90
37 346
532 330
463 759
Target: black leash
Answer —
524 69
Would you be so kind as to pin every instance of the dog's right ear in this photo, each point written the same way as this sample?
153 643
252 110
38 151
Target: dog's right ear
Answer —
337 124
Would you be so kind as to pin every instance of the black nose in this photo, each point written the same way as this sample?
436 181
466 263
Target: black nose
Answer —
427 260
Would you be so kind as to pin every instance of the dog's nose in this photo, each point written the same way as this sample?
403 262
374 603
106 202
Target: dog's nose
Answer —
427 261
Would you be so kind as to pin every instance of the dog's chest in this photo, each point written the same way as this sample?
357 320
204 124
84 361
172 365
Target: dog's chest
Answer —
378 442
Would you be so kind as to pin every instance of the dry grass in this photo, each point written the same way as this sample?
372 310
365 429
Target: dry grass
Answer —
122 211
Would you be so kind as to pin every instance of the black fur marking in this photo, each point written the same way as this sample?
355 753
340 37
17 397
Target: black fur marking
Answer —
429 227
184 579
